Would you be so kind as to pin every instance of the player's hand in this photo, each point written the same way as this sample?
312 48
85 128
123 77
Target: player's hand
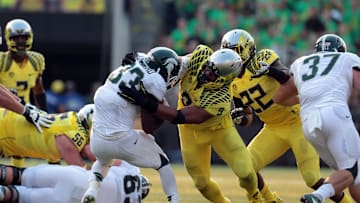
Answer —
238 116
129 59
138 97
263 70
34 116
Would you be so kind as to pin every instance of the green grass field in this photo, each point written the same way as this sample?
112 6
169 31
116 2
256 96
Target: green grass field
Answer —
287 182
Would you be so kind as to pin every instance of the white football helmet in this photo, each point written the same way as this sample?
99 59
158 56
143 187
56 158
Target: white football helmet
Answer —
85 115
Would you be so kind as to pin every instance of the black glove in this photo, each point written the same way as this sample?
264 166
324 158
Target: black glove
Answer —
129 59
34 116
138 97
238 116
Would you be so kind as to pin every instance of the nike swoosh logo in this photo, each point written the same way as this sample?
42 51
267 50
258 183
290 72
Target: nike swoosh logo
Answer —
135 141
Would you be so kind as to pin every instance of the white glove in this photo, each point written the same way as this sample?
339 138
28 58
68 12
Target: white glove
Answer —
238 116
263 70
34 116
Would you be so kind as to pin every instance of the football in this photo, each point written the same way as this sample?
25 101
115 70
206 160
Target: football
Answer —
149 122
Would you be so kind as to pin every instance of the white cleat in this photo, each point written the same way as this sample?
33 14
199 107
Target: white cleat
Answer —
89 196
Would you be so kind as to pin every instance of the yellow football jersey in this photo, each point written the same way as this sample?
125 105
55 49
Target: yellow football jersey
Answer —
21 76
258 92
18 137
217 102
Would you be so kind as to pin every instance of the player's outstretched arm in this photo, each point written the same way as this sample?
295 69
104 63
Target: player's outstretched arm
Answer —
286 93
68 151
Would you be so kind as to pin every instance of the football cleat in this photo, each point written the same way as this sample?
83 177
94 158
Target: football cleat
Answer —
89 196
255 198
276 197
310 198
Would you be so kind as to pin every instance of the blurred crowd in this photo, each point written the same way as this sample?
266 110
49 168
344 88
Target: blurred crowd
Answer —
65 6
63 96
289 27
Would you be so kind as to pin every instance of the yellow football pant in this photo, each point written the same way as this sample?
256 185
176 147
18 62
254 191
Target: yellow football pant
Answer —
196 153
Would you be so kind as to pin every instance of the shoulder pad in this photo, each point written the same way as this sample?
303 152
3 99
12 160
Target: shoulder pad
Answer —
267 55
5 61
37 60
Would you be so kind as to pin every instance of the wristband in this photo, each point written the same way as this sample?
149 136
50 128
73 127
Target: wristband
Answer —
179 119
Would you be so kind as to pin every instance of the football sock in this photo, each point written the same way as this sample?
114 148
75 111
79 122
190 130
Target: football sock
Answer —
168 182
325 191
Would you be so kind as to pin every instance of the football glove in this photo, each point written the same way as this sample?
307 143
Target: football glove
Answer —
263 70
238 116
129 59
34 116
138 97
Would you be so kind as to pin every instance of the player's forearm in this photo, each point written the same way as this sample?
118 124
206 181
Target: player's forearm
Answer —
68 151
10 101
189 115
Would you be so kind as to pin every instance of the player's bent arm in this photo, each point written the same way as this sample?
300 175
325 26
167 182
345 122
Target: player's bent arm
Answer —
285 93
189 114
39 94
86 153
68 151
356 79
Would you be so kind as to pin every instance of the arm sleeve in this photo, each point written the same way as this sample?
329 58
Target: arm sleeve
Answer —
279 72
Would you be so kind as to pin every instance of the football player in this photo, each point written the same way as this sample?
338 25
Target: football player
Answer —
281 130
204 120
13 103
67 138
55 183
21 69
324 81
113 135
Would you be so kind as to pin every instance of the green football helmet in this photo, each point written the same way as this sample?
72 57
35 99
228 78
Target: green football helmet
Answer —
226 64
166 62
240 41
331 43
18 27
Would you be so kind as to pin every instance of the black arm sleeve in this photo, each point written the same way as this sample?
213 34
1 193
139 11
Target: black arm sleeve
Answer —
279 72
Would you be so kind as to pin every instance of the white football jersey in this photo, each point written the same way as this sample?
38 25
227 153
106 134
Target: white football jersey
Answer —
112 112
323 78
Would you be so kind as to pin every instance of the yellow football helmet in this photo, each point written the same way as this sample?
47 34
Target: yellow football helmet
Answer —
226 64
18 27
240 41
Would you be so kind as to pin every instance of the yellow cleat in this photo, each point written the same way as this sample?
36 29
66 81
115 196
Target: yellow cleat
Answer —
275 199
256 198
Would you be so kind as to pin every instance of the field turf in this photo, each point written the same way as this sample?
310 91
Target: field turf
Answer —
286 181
